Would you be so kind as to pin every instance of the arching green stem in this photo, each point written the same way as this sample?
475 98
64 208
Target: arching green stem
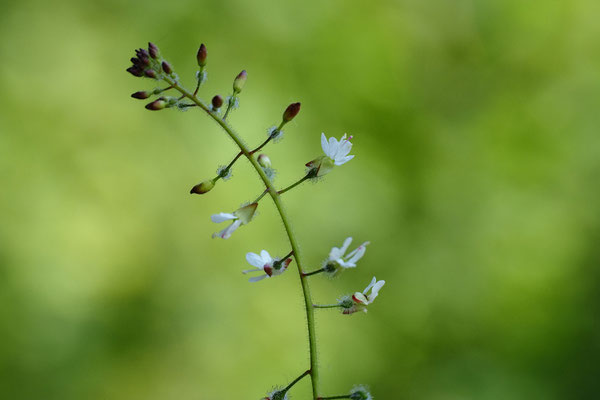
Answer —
310 316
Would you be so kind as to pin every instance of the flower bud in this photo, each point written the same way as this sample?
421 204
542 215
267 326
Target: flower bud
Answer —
201 56
290 112
264 161
141 95
156 105
167 68
150 73
239 81
217 102
153 50
203 187
135 71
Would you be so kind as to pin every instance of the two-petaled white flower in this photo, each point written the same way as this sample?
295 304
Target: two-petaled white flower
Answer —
239 217
338 258
267 264
359 301
336 153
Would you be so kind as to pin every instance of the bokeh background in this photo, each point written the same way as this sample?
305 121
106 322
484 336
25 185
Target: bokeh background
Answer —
475 179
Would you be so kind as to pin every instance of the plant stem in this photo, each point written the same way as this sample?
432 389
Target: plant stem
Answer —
261 196
288 387
293 185
314 272
310 314
326 305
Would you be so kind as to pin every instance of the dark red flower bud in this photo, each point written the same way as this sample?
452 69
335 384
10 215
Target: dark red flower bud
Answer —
135 71
217 102
141 95
201 56
152 50
150 73
290 112
156 105
167 67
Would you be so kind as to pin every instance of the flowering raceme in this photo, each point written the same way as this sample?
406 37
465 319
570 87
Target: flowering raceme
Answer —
150 63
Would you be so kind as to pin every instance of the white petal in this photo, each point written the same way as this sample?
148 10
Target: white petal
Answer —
221 217
343 160
343 149
266 257
324 144
357 253
346 244
257 278
370 285
255 260
375 291
226 233
333 147
251 270
346 264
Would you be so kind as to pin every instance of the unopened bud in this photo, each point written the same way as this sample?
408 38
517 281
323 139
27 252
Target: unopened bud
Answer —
264 161
203 187
150 73
167 68
201 56
217 102
141 95
135 71
239 81
290 112
153 50
156 105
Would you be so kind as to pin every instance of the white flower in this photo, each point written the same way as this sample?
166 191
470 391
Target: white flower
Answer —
240 217
359 301
267 264
366 299
336 255
337 151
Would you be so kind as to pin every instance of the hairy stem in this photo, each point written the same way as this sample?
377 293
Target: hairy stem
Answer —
326 305
293 185
310 315
288 387
318 271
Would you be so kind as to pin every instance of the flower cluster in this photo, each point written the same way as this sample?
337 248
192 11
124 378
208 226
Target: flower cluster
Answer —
149 63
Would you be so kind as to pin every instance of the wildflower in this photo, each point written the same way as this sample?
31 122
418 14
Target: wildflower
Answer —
239 218
267 264
359 301
336 153
338 259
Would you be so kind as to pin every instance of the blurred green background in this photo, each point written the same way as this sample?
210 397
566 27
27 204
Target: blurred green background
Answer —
475 178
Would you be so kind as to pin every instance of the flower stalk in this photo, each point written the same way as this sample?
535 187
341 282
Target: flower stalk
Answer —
244 150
